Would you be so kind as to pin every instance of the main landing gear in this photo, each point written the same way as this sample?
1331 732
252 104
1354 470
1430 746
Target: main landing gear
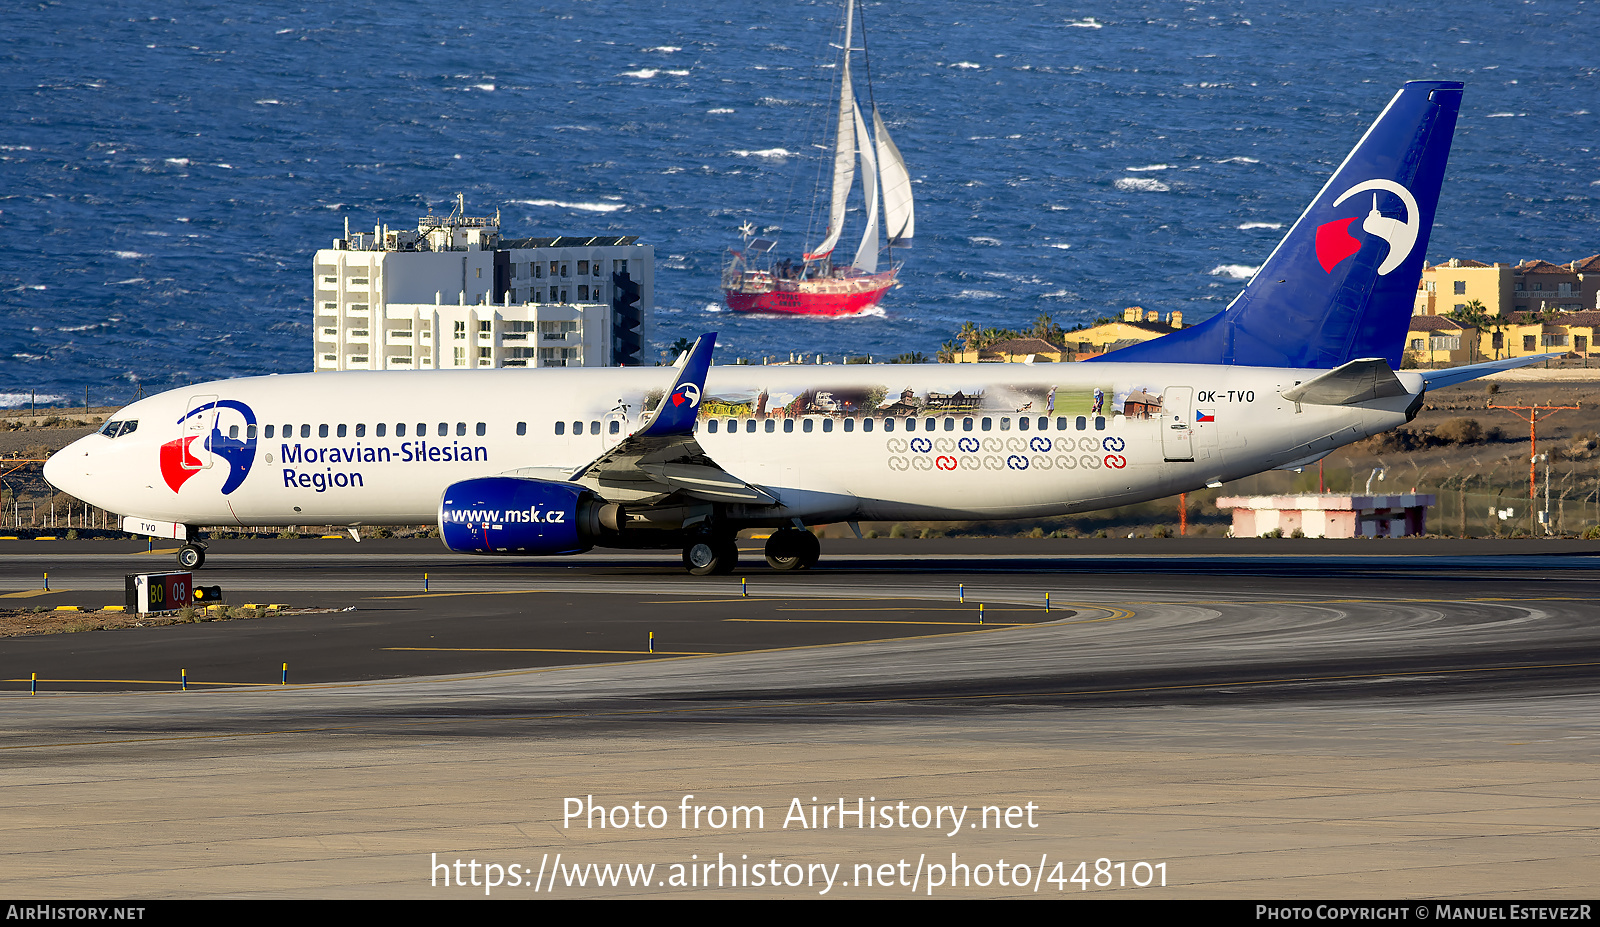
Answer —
191 556
793 549
709 554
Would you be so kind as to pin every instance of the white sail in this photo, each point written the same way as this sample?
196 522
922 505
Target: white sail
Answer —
899 214
867 253
844 153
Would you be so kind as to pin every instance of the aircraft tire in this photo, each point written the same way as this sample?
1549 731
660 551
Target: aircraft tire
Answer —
191 556
792 549
711 555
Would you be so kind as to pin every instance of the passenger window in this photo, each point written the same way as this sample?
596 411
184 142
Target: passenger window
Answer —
577 428
461 429
361 430
888 424
808 426
827 425
444 429
381 430
561 428
400 430
1099 423
711 426
522 428
594 428
1022 423
911 424
267 432
987 423
950 424
1082 423
305 431
966 424
233 431
322 431
422 429
750 426
772 426
343 430
616 427
1044 423
866 424
788 425
1005 423
482 429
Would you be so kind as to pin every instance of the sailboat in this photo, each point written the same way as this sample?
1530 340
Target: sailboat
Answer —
818 285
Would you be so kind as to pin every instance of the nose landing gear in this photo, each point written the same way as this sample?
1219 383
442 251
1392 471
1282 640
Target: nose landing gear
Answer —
191 556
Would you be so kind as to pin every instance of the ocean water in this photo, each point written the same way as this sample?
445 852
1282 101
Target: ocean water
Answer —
167 169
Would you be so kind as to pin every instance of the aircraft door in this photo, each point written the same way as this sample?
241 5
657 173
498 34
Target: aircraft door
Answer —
613 428
199 421
1177 423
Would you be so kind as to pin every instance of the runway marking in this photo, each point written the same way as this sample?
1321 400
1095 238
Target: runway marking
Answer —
441 595
638 653
175 683
959 624
590 715
31 593
1117 614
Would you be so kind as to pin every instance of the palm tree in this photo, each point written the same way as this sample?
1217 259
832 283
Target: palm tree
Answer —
968 335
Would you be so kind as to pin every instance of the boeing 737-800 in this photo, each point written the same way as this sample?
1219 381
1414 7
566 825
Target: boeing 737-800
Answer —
556 461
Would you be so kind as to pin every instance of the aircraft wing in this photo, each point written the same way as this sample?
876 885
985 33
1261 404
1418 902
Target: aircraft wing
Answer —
663 457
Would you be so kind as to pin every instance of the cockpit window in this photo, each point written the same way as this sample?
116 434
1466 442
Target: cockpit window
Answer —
114 429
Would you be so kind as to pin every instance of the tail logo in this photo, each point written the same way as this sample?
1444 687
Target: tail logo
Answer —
1335 243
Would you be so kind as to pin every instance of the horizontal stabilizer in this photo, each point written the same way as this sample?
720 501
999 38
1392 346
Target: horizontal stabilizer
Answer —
1358 381
1436 379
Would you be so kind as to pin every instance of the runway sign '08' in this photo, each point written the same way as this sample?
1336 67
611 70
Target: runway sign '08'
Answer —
159 592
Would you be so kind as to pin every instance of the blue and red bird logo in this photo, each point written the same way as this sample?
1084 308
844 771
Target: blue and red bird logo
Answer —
180 462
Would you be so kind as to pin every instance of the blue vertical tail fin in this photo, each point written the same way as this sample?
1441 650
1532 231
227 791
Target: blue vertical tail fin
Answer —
1342 283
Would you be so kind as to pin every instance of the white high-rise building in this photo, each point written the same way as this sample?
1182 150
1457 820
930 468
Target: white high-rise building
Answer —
454 294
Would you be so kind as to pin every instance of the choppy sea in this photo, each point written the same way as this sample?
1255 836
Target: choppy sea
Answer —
167 169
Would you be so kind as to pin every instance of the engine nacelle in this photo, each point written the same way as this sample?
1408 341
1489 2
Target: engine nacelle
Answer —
510 515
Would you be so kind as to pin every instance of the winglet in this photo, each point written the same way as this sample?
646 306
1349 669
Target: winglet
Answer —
679 407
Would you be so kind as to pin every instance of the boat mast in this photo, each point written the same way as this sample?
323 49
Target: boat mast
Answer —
844 147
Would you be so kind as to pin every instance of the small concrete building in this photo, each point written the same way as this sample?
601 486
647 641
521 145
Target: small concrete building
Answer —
1329 515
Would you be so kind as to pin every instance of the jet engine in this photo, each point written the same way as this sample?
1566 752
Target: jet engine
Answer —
515 516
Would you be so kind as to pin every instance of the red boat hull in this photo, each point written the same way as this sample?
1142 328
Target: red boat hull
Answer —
828 297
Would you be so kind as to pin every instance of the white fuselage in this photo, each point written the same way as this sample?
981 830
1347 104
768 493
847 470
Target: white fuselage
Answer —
829 442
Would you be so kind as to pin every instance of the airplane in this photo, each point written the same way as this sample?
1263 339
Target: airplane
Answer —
543 461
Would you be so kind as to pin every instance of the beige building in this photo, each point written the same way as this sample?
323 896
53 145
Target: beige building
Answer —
1435 341
1137 325
1540 285
1526 333
1449 286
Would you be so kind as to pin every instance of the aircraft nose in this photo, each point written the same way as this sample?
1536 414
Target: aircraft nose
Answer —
67 468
